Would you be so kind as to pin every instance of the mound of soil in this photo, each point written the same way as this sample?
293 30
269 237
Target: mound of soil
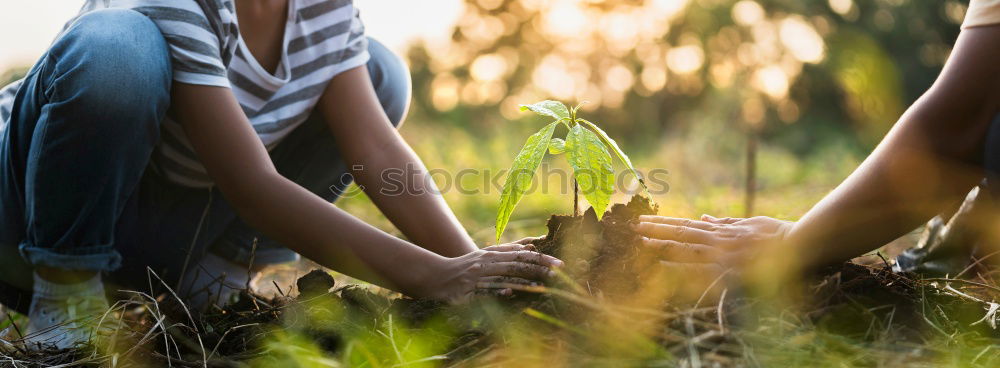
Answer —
605 254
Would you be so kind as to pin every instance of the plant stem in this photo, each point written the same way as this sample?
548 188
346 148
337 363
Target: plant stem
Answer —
576 198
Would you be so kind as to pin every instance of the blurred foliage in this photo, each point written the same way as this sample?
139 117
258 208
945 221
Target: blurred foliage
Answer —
649 68
679 83
12 75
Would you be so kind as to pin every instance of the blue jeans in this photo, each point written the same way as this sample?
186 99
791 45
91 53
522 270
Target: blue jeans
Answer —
74 183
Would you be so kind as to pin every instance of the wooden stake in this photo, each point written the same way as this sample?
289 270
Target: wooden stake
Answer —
750 187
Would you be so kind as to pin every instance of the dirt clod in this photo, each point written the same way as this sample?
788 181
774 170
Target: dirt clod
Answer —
315 282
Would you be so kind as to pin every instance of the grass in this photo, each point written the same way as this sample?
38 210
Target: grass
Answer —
841 326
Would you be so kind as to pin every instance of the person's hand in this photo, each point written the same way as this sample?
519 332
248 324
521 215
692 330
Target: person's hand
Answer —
714 243
704 258
494 270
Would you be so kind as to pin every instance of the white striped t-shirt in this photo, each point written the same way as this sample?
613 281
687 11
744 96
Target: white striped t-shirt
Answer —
322 39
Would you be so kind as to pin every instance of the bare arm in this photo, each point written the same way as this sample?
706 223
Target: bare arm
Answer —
928 161
238 163
367 139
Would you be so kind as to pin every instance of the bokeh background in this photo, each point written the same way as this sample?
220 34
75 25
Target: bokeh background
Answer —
754 106
803 89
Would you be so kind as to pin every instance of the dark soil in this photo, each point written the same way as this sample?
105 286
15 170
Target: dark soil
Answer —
603 254
851 298
314 283
878 285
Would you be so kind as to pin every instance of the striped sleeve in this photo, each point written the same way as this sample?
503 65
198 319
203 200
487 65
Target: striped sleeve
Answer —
193 34
982 13
355 52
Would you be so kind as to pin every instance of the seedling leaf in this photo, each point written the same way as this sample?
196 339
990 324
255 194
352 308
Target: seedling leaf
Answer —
557 146
618 151
591 164
555 109
521 172
577 108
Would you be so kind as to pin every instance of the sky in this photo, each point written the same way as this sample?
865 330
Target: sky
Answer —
27 27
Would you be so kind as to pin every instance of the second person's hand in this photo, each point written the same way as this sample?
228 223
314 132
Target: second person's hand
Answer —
714 242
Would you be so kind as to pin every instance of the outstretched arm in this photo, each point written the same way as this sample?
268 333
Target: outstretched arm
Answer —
367 140
238 163
929 160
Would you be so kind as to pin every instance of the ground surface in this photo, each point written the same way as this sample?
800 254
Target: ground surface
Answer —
607 310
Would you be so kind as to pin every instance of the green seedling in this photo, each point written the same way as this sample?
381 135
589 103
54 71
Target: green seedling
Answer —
586 148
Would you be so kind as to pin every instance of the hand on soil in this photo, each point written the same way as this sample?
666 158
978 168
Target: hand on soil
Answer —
496 270
726 242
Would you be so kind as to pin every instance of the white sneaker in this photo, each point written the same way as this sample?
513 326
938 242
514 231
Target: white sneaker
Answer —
214 281
64 315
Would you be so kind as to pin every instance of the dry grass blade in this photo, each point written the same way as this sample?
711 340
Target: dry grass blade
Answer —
231 329
201 345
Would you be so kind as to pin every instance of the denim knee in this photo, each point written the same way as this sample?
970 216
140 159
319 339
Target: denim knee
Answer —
391 79
116 59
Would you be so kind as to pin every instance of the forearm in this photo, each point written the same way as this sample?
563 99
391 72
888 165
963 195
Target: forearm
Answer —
877 204
919 170
329 236
391 173
399 184
927 162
